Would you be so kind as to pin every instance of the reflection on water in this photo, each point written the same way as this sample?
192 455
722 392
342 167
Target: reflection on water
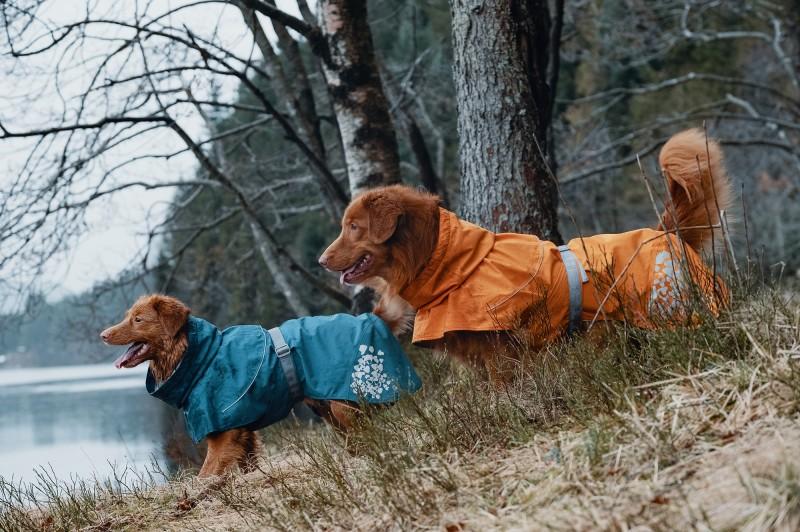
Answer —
79 420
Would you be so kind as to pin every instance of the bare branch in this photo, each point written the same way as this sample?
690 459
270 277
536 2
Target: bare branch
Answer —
774 40
300 26
772 125
674 82
6 134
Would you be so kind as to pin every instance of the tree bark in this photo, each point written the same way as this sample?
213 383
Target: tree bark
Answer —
501 50
793 27
360 105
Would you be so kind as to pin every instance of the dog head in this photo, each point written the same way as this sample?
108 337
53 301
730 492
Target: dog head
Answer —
387 232
150 326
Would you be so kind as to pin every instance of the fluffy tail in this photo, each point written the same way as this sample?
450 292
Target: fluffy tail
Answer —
698 185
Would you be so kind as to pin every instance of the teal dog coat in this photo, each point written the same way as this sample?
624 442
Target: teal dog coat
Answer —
233 378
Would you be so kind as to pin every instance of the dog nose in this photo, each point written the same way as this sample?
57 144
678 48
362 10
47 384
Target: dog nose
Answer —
104 335
323 261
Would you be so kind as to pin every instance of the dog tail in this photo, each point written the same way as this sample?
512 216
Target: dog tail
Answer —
698 186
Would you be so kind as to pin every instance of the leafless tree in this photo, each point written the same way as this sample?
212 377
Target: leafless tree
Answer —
149 72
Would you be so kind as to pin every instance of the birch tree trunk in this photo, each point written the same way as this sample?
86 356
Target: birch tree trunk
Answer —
362 110
279 275
501 50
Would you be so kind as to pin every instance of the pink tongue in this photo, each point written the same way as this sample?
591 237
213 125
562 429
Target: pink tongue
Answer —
351 269
344 274
127 355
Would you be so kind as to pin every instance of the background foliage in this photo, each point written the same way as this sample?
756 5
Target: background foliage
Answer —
625 86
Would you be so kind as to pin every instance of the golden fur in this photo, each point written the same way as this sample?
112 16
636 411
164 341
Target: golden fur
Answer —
396 229
158 321
698 187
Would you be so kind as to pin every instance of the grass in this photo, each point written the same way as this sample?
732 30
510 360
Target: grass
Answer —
693 428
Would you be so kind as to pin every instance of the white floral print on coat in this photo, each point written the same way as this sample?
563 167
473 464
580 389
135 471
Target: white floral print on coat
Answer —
369 379
665 296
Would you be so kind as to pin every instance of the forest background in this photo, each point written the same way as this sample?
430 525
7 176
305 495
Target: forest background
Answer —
622 76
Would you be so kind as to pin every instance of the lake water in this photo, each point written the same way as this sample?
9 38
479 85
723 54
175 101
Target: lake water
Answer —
81 421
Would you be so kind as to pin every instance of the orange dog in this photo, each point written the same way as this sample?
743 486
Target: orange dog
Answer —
469 286
232 382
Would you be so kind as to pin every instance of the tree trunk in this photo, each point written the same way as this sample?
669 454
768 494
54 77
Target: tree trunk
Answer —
279 275
360 105
501 50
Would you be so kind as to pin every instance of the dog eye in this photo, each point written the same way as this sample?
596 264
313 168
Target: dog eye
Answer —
137 319
353 227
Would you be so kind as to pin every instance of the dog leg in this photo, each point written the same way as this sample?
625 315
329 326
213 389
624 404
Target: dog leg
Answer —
341 415
344 416
253 448
225 449
490 354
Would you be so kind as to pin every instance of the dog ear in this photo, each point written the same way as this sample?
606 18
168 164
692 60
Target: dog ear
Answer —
171 313
384 213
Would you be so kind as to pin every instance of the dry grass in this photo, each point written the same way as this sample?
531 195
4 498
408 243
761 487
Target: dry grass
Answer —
694 428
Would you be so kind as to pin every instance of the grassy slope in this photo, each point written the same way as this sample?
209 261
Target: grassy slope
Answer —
685 429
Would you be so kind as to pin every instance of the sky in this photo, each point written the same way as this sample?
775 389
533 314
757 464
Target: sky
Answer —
117 226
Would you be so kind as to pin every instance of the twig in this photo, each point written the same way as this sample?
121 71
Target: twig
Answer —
726 233
746 231
677 379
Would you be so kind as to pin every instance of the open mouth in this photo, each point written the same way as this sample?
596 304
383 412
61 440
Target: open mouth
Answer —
135 355
357 271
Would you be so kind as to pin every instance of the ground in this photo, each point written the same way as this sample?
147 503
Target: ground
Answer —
696 427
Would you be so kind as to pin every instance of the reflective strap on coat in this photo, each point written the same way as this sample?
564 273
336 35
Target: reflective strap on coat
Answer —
576 276
287 364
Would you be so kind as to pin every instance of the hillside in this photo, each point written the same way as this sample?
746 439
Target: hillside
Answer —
689 429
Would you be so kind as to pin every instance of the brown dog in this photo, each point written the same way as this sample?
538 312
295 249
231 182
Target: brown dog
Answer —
179 346
470 286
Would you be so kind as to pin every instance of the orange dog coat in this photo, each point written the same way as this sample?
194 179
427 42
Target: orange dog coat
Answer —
477 280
